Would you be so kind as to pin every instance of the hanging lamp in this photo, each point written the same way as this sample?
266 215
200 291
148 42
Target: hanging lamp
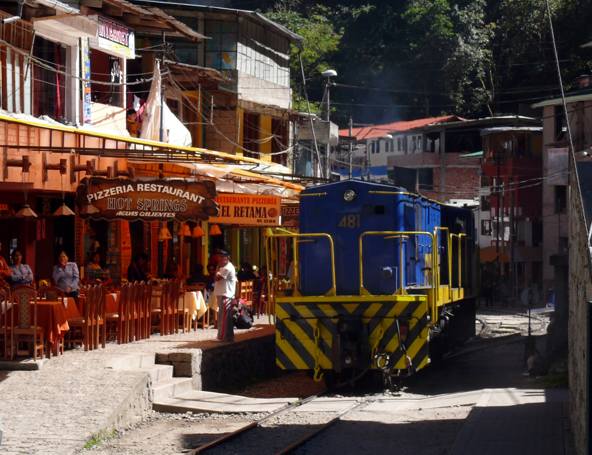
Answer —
63 210
215 230
164 233
198 231
26 212
184 230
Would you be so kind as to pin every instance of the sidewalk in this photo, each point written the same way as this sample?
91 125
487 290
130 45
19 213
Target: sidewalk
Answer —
515 422
57 409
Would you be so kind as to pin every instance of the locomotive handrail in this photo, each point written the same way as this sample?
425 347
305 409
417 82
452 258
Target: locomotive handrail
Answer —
295 236
449 257
459 237
435 271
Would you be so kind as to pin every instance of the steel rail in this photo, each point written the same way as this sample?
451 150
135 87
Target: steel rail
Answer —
232 435
312 434
290 407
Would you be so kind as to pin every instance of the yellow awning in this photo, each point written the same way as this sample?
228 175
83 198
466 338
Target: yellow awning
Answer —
136 144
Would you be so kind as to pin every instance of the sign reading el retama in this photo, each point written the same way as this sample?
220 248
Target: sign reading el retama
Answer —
126 199
248 209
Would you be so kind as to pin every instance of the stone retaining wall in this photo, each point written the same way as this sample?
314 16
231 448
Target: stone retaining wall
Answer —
224 367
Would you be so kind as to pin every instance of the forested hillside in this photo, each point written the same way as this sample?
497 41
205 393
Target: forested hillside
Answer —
425 57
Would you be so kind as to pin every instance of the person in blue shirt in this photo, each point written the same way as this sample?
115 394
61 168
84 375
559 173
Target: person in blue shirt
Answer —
21 273
66 276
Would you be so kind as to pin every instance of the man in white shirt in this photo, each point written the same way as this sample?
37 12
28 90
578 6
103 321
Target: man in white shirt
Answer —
225 290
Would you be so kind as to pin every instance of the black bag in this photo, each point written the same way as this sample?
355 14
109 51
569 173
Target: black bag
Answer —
242 317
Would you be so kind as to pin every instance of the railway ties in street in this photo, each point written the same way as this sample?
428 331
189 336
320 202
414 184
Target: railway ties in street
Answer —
291 442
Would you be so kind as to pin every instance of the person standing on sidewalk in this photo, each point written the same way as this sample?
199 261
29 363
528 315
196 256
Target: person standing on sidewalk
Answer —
225 290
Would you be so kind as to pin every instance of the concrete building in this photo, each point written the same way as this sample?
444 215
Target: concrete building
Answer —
555 173
510 218
375 144
446 162
249 111
567 212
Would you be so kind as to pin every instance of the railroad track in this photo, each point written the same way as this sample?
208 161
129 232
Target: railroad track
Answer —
292 443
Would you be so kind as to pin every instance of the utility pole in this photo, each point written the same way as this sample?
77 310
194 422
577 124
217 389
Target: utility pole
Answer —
328 74
351 145
513 199
328 118
161 132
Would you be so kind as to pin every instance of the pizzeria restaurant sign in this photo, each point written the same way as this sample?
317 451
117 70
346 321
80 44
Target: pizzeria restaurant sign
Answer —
146 200
248 209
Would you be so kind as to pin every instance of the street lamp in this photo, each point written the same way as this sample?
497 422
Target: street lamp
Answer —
328 74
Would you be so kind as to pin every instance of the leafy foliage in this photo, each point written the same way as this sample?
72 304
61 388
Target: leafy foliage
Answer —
411 58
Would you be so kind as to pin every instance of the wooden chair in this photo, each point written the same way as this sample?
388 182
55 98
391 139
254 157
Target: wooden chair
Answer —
26 332
168 310
100 315
183 318
156 311
86 329
6 314
244 292
124 315
146 311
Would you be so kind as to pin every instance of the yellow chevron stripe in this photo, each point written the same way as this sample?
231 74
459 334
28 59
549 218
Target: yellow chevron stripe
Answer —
279 364
325 334
308 344
289 352
372 310
397 309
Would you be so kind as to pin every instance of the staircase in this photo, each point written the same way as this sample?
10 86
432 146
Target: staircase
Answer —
174 394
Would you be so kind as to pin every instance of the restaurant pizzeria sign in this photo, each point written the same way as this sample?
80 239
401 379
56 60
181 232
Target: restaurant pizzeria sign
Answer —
146 200
248 209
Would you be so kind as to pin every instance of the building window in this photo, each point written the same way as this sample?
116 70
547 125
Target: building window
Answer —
251 135
485 203
537 233
485 227
425 178
221 47
49 86
105 68
560 198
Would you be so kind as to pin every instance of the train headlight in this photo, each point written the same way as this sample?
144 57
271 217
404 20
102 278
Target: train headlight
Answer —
349 195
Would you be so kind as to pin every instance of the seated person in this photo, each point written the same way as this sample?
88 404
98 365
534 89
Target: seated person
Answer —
137 270
245 272
197 277
66 276
21 273
94 272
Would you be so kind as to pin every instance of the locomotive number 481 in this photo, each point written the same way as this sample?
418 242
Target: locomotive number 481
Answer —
349 221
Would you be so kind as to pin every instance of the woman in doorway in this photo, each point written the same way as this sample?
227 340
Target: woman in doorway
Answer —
66 276
21 273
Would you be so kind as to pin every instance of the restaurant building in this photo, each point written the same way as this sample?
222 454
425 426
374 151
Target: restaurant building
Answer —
64 99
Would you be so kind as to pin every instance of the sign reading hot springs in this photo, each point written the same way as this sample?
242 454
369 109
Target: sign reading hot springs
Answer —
146 200
248 209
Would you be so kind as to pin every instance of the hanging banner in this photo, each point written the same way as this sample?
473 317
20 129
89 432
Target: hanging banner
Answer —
114 38
126 199
248 209
290 215
86 88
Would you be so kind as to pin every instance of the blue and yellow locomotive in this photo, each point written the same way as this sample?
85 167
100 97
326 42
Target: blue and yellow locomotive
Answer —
380 279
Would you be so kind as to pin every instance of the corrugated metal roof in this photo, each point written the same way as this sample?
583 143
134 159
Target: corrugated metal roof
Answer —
568 100
254 15
378 131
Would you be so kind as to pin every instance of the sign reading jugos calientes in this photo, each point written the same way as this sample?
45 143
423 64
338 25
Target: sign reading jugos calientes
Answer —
146 200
